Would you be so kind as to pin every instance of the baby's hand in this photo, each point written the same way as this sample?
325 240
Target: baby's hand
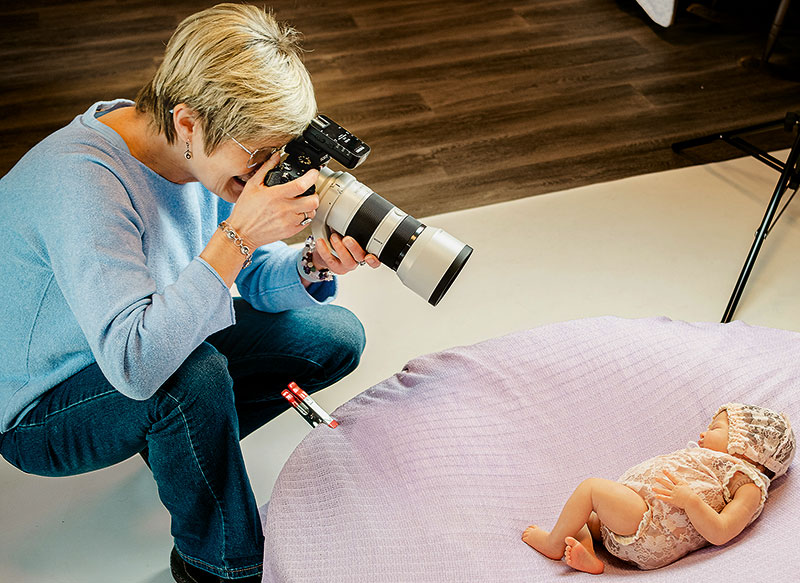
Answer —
672 490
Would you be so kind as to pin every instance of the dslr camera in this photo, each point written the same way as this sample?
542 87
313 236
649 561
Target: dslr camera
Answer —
427 260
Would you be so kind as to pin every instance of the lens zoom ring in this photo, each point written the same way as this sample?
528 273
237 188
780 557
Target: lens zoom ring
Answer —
367 218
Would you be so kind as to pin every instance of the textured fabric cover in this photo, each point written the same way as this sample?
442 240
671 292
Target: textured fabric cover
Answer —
435 472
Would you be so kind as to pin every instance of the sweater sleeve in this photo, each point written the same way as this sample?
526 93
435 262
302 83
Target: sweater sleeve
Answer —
272 283
138 334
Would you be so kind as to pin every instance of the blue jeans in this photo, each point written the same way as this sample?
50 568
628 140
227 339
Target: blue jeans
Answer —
189 431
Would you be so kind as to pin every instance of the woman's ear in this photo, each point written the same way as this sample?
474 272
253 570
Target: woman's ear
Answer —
185 120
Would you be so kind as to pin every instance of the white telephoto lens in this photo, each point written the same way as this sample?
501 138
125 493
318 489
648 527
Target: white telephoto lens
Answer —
427 260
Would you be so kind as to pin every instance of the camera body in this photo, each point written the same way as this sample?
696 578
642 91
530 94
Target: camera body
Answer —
427 260
322 140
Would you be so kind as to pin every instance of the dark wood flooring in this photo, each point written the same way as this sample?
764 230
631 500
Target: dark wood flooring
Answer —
464 103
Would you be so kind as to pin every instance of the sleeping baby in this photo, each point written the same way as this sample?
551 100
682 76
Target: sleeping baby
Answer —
668 506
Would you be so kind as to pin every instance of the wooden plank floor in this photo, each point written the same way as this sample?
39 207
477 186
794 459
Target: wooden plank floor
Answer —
464 103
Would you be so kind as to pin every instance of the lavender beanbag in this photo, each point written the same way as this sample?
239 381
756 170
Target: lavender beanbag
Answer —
434 473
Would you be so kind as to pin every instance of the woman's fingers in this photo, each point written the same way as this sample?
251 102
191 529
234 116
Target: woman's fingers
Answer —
343 254
331 262
355 250
306 181
346 260
293 188
268 165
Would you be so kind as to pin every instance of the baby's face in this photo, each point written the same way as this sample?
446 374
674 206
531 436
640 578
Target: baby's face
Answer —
716 436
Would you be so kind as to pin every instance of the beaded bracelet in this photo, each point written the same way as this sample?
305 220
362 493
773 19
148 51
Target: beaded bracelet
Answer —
306 267
238 241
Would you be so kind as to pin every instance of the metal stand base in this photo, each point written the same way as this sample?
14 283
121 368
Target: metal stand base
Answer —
789 179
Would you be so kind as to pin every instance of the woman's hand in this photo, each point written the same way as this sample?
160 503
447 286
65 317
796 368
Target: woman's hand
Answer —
265 214
672 490
349 255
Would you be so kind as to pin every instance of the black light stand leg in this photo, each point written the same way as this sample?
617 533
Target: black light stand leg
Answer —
783 183
790 175
775 30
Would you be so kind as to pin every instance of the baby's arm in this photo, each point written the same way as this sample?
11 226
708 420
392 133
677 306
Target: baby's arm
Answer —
716 528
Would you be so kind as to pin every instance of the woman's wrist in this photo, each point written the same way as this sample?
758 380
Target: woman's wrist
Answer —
224 256
245 248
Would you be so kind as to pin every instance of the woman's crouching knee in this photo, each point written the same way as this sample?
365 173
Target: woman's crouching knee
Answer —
340 341
201 383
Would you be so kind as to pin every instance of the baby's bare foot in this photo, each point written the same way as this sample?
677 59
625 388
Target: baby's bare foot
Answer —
539 540
578 557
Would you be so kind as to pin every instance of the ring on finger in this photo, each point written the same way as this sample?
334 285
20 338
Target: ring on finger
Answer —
306 220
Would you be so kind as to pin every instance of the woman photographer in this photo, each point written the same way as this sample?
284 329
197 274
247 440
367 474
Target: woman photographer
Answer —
123 233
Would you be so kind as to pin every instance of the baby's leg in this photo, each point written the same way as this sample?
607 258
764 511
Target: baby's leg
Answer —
617 506
594 526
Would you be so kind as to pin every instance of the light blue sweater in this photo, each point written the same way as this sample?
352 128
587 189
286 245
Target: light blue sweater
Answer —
99 263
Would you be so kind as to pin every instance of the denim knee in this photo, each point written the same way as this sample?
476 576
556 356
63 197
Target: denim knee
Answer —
341 338
202 383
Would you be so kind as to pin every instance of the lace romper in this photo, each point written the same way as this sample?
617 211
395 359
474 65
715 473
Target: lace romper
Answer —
665 533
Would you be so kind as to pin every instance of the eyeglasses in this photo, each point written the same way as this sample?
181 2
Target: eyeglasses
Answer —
257 157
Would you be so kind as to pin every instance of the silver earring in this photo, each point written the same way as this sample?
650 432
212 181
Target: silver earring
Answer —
188 153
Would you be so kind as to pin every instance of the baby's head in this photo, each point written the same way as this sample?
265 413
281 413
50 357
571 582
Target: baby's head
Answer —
759 435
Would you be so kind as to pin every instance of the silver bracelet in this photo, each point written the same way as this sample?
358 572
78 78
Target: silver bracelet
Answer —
239 242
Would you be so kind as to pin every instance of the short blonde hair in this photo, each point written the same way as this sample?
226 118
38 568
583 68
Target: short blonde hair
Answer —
240 70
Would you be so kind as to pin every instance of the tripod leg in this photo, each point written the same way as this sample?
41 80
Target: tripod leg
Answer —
790 168
783 7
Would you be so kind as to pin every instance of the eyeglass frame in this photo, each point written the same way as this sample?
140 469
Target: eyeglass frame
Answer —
250 163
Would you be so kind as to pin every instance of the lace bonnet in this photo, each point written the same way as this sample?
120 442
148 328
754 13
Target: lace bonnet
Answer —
761 435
